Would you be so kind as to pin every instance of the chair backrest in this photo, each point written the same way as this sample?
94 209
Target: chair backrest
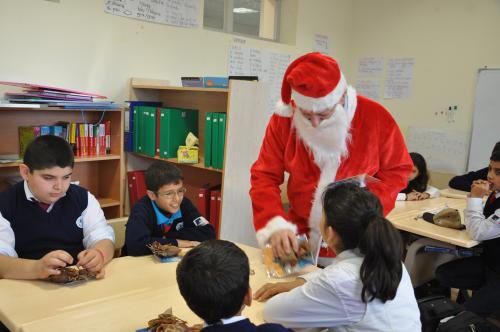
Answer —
118 225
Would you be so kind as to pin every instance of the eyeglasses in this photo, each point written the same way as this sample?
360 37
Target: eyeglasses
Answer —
169 195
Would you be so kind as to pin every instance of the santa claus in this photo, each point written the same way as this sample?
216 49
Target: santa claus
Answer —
321 132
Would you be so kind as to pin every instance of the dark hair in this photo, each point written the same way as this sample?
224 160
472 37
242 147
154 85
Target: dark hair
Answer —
356 215
495 154
213 278
420 182
48 151
161 173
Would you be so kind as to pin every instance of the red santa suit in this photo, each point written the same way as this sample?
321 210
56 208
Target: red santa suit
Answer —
374 146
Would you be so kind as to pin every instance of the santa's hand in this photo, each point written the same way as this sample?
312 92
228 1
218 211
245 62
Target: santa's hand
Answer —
283 242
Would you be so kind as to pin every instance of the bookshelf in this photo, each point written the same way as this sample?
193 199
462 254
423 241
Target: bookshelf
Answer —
246 106
103 175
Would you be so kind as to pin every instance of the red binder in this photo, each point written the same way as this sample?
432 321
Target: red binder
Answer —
204 202
136 186
214 211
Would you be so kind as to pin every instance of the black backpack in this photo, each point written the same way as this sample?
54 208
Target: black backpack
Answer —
465 321
433 309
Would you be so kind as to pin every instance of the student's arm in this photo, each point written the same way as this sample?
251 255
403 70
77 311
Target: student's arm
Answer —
195 227
464 182
326 301
19 268
141 230
432 192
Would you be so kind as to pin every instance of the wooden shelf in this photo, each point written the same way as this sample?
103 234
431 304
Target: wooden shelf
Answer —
107 202
199 165
178 88
77 160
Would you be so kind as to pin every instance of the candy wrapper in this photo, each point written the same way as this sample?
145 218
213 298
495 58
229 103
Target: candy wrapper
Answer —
293 263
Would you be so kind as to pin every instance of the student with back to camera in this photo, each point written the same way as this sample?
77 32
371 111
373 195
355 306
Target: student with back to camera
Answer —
213 278
366 288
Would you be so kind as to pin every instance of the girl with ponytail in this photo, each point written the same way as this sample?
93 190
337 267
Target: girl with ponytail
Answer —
366 288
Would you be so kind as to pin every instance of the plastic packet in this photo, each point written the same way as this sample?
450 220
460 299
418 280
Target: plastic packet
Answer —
293 263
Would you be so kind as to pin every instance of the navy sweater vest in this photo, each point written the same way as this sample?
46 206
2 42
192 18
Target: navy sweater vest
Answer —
492 247
38 232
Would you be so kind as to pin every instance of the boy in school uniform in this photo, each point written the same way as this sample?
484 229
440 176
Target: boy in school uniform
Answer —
213 278
164 214
481 274
46 222
464 182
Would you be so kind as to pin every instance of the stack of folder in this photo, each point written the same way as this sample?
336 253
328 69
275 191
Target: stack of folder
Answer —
159 131
35 94
215 139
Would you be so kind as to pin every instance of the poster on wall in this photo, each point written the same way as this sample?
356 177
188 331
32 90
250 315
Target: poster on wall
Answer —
320 43
183 13
368 88
266 65
399 78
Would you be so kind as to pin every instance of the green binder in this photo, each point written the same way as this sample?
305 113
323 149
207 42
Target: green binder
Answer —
222 140
149 125
208 139
175 124
137 110
215 140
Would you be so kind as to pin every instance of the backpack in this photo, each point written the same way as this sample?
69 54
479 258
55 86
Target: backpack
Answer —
433 309
465 321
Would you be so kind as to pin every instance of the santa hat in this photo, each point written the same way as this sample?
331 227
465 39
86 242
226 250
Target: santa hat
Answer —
312 82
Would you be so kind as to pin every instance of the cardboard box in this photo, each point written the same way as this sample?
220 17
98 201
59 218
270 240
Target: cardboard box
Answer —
215 82
196 82
187 155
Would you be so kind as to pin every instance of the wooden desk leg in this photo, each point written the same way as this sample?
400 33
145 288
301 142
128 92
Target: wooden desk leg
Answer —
438 259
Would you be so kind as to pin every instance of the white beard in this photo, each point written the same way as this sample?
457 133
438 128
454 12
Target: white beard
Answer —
328 142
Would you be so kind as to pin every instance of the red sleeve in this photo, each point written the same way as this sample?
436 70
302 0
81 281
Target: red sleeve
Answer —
267 173
394 163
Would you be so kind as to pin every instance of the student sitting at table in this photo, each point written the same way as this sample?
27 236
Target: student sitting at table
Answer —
366 288
418 182
46 222
481 273
164 214
464 182
213 279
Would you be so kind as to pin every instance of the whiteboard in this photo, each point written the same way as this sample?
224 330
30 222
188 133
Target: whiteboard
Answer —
444 150
486 119
182 13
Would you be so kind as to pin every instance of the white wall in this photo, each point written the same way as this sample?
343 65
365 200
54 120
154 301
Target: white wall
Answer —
449 39
75 44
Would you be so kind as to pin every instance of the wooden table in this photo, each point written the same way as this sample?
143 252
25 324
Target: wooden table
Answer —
406 216
135 290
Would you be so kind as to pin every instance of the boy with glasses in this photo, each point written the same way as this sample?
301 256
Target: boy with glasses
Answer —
164 214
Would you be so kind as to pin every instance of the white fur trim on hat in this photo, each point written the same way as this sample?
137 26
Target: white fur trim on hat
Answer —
283 109
275 224
321 103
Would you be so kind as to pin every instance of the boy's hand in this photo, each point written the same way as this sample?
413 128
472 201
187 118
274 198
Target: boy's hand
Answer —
269 290
187 244
91 259
283 242
479 188
48 264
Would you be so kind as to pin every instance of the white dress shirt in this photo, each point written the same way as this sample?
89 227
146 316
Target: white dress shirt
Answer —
95 226
432 191
478 226
331 299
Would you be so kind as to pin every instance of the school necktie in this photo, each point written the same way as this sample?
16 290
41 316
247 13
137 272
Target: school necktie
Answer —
44 206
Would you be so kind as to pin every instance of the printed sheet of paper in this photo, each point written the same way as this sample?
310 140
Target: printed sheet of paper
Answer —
399 78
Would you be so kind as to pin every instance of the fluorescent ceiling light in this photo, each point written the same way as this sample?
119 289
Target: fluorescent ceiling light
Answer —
242 10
